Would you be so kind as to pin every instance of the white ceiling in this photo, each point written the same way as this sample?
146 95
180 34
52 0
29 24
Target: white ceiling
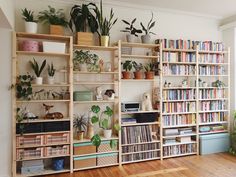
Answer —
215 8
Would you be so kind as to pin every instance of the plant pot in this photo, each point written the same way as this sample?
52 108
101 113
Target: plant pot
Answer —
56 30
83 67
126 74
107 133
85 38
130 38
104 41
39 81
51 80
58 164
90 131
80 135
31 27
146 39
138 75
149 75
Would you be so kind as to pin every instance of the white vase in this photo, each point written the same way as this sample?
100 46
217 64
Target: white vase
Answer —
107 133
130 38
105 41
39 81
146 39
31 27
50 80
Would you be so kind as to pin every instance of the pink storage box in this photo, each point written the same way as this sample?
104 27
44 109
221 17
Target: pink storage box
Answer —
57 150
29 140
31 46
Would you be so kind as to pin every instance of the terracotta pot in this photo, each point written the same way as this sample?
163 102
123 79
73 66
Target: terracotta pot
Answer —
85 38
56 30
138 75
80 135
149 75
126 74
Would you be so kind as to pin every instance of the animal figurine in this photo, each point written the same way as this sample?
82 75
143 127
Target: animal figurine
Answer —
110 93
146 102
53 115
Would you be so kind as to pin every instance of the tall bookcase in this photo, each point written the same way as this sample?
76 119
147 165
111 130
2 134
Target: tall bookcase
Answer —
41 139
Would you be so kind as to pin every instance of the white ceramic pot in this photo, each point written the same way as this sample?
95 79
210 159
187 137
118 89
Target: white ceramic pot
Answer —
107 133
130 38
31 27
146 39
39 81
105 41
51 80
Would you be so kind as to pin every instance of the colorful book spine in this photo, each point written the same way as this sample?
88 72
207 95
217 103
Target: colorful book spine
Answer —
212 93
179 94
175 120
211 58
213 105
176 69
179 107
211 70
212 117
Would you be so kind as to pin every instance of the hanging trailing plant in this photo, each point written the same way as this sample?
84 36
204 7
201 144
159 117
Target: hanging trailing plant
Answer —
23 87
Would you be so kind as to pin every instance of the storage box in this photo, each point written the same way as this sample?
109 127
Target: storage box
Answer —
146 117
30 153
84 148
214 143
83 96
54 47
56 126
57 150
85 162
56 138
30 128
29 140
85 38
105 147
32 170
107 159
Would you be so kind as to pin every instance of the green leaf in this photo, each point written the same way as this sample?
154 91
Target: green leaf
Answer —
117 127
95 109
113 144
96 140
94 119
104 123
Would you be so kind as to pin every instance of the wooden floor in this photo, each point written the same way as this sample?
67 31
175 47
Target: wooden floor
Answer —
215 165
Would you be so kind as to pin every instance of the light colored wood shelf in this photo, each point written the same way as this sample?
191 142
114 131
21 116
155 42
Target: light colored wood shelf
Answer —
178 50
46 145
133 144
212 99
45 172
42 101
45 120
209 111
176 88
211 52
174 113
190 100
94 83
179 126
213 87
42 53
50 157
213 123
138 124
127 153
97 153
44 133
174 136
42 36
142 160
138 45
179 63
139 56
169 75
213 64
137 80
137 112
98 102
179 143
75 141
179 155
213 132
99 166
82 72
93 47
221 75
51 85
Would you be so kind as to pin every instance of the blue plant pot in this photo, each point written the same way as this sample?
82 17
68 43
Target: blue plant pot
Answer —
58 164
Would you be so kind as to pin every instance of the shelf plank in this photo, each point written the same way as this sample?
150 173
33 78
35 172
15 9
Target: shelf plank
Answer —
45 172
100 166
139 45
179 63
75 141
83 72
213 132
171 75
142 160
212 52
133 144
139 56
45 120
154 150
44 133
97 153
174 136
190 100
174 113
42 36
138 80
178 50
37 158
138 124
209 99
213 63
94 83
213 123
177 88
47 145
213 87
178 126
137 112
42 101
98 102
179 143
93 47
209 111
42 53
51 85
185 154
221 75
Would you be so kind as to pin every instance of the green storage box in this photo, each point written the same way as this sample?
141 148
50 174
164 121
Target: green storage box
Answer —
214 143
83 96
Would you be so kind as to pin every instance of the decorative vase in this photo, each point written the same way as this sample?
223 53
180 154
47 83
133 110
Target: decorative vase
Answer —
80 135
39 81
138 75
149 75
104 41
90 131
58 164
130 38
146 39
126 74
57 30
50 80
107 133
31 27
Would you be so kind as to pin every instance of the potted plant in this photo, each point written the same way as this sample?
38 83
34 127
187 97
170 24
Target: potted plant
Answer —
80 124
38 70
55 18
127 66
146 38
84 22
138 74
131 30
232 149
24 87
105 24
30 23
149 68
51 73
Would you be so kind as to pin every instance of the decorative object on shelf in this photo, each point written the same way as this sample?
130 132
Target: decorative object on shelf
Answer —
127 66
149 68
30 46
53 115
199 82
204 84
138 74
110 94
185 83
105 24
24 87
108 67
38 70
101 65
169 84
58 164
83 20
55 18
146 38
165 84
146 102
131 30
54 47
82 95
31 25
90 130
218 84
80 124
30 115
51 73
99 94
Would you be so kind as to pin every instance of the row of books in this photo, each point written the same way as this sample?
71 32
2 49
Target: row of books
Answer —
210 58
179 149
212 93
178 57
174 120
210 46
212 117
179 107
213 105
177 131
140 147
136 134
175 69
211 70
140 156
178 94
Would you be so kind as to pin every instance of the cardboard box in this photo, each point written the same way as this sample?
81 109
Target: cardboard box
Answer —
85 162
105 147
84 148
54 47
107 159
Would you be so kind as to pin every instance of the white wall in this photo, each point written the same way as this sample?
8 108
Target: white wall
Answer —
7 6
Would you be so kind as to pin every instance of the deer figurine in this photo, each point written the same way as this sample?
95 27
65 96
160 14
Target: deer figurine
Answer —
53 115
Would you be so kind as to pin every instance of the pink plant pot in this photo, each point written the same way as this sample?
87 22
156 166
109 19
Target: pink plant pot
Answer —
32 46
